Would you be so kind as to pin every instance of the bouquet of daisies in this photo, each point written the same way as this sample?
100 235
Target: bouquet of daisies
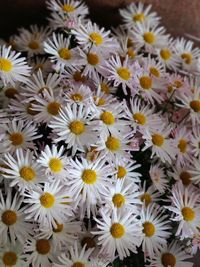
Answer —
99 143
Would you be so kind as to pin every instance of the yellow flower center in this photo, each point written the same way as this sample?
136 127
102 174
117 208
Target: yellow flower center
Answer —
118 200
185 178
47 200
11 92
43 246
195 105
148 229
131 53
78 264
113 143
65 53
146 82
5 65
146 198
68 8
182 145
154 72
30 110
16 139
121 172
165 54
139 17
89 176
105 88
187 57
58 229
9 259
169 88
107 118
149 37
77 127
96 38
188 214
168 259
158 140
124 73
77 97
89 242
33 45
55 164
117 230
101 101
139 118
27 173
78 77
53 108
9 217
92 59
178 84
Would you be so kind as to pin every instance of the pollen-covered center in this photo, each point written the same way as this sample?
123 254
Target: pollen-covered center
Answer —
131 53
56 165
68 8
11 92
188 214
113 143
96 38
146 198
47 200
92 59
148 229
149 37
118 200
168 259
5 65
43 246
77 97
16 138
9 217
140 118
9 259
139 17
33 45
78 77
146 82
195 105
77 127
124 73
187 57
27 173
65 53
158 140
185 178
154 72
117 230
53 108
121 172
165 54
89 242
78 264
182 145
58 229
107 118
105 88
89 176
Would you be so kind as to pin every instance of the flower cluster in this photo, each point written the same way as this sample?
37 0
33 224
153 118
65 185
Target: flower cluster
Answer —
99 142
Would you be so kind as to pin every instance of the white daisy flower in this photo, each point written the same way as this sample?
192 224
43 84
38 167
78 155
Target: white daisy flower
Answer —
75 77
49 204
138 13
155 68
12 67
54 162
119 231
20 134
156 229
105 86
38 252
62 54
158 177
74 125
194 170
76 257
171 255
41 63
149 195
195 141
181 173
12 219
23 170
11 255
31 41
186 211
